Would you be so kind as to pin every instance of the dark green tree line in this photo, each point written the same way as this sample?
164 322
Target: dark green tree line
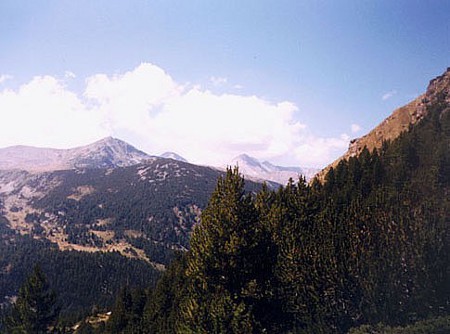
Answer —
369 246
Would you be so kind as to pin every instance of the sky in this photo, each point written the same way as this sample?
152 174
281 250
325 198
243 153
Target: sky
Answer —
291 82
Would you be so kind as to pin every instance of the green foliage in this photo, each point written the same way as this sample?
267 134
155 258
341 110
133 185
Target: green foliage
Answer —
79 279
35 310
127 312
369 248
161 312
226 264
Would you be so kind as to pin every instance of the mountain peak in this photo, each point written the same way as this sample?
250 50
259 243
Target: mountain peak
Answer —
173 156
246 160
107 140
106 153
253 168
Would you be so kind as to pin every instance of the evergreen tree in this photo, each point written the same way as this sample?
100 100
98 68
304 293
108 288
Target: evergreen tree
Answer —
35 310
127 312
227 264
161 312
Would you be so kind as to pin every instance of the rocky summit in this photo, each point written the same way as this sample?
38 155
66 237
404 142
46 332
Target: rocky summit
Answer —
106 153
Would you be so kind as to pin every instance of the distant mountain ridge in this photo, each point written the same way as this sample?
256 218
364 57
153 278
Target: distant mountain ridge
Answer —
112 153
253 168
173 156
399 121
106 153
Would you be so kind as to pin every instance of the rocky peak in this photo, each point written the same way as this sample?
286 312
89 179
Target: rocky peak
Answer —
105 153
439 88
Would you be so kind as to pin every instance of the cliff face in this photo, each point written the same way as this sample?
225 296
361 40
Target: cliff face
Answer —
400 120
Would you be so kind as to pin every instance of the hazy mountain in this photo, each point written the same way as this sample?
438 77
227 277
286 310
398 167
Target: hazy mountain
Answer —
399 121
174 156
254 169
106 153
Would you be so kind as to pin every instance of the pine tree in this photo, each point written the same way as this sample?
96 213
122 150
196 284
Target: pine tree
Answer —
127 312
161 311
34 310
226 264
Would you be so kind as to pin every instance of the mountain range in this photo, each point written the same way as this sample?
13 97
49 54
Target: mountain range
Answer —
111 153
111 198
107 224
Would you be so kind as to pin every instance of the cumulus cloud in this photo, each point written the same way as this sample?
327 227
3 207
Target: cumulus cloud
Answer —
148 108
355 128
388 95
215 128
4 77
128 101
44 113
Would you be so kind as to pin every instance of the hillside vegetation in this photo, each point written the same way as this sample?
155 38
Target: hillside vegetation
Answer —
365 249
370 246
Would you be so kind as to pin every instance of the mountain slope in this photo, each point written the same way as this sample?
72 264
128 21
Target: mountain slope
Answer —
106 153
107 226
399 121
143 211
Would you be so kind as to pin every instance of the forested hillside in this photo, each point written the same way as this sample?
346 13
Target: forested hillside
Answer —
368 246
94 230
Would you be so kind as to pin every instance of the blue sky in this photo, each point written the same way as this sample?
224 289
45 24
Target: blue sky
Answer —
287 81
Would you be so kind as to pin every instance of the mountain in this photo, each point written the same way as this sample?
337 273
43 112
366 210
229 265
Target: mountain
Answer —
174 156
366 251
402 119
106 153
254 169
96 209
103 225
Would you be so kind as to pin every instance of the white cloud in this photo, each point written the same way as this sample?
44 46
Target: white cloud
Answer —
127 101
213 129
388 95
5 77
146 107
355 128
318 151
43 113
218 81
69 75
